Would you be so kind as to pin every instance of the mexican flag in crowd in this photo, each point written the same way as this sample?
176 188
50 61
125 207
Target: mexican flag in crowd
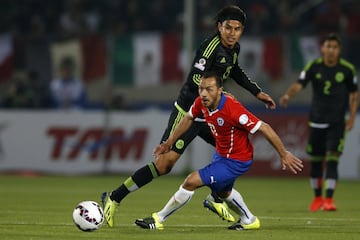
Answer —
89 54
302 50
151 59
146 59
262 56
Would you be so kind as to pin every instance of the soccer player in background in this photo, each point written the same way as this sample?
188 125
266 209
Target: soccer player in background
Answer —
219 53
230 123
334 90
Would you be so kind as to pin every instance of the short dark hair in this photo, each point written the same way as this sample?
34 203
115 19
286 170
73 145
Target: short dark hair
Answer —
231 12
67 63
331 37
212 74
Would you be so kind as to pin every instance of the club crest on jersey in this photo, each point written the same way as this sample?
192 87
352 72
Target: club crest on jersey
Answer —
339 77
220 121
179 144
200 64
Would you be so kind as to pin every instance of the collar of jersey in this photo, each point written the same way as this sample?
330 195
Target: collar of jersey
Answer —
221 104
222 101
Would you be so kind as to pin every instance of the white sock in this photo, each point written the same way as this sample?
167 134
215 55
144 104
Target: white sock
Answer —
178 200
330 183
237 204
316 183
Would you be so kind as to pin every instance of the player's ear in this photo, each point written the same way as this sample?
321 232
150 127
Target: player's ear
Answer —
219 26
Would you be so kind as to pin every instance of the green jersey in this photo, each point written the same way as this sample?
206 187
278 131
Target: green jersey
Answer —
330 87
213 56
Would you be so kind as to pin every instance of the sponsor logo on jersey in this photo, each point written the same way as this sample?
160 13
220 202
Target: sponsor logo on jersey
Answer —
200 64
212 180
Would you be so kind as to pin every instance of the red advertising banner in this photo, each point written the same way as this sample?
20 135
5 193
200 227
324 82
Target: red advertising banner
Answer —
293 131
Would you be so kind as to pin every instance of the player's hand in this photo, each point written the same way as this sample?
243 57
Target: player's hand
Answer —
161 148
293 163
269 102
284 100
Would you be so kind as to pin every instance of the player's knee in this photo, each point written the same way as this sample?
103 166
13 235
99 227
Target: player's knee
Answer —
163 167
165 162
192 182
316 169
189 184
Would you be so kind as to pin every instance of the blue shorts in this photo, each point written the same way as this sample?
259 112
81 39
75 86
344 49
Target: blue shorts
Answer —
220 175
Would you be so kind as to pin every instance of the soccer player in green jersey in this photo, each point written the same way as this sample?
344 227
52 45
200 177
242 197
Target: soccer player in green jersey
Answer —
335 90
218 53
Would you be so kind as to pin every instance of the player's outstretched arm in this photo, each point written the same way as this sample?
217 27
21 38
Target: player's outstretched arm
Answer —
290 92
353 106
288 160
243 80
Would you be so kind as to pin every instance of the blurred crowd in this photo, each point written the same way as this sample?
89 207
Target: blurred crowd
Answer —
27 20
75 17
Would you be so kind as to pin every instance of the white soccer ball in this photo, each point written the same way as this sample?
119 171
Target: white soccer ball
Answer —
88 216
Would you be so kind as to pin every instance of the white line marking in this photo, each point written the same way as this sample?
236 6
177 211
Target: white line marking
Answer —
225 224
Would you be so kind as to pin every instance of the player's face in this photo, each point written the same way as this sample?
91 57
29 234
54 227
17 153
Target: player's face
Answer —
209 93
331 52
230 32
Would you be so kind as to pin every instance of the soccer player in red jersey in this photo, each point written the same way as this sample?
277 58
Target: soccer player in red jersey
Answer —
230 123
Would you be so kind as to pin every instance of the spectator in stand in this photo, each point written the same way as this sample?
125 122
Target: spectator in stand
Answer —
353 31
67 91
19 96
329 17
41 92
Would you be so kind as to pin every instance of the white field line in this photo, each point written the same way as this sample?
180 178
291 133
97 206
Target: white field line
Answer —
307 219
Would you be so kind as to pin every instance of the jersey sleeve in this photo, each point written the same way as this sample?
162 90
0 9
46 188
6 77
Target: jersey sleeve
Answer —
195 109
203 59
245 119
243 80
352 80
306 74
353 86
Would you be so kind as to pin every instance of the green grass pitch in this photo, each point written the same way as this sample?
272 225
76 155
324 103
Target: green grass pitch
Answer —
41 208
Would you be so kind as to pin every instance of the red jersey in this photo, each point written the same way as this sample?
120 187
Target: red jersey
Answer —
230 125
